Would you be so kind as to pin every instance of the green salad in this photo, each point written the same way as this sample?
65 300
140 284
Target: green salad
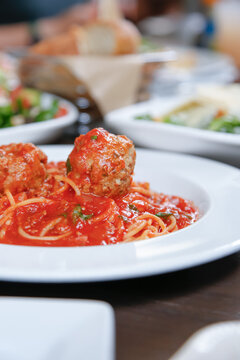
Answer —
23 105
201 115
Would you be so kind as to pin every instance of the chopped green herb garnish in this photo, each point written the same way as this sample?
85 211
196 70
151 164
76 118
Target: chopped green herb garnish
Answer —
69 166
163 214
64 215
86 217
188 216
94 137
123 218
144 117
77 213
133 207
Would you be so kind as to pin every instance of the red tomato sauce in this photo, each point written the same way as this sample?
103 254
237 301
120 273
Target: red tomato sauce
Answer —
88 219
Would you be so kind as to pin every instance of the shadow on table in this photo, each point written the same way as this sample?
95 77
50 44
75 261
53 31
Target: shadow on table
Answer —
130 292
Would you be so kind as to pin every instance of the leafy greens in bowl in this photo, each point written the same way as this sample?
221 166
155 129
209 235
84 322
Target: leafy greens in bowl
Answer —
23 105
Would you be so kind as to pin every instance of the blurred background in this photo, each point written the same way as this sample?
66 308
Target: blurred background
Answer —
195 42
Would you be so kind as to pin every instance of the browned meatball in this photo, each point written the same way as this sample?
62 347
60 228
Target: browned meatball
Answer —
102 163
22 167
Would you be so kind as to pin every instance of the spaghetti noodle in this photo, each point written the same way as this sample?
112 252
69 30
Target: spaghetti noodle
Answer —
69 218
47 204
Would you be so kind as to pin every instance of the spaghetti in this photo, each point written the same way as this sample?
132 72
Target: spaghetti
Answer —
89 200
69 218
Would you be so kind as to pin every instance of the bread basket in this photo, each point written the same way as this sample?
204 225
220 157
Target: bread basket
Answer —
58 75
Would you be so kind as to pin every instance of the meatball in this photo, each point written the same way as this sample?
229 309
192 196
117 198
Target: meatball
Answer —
102 163
22 167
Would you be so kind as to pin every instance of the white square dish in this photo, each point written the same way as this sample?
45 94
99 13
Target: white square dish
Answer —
47 329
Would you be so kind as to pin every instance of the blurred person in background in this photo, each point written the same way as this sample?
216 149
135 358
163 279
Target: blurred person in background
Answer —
23 22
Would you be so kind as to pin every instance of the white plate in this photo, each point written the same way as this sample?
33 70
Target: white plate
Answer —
208 67
215 189
56 329
172 137
44 131
205 62
216 342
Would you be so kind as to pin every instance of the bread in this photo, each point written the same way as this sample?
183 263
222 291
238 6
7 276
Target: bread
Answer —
103 37
63 44
100 37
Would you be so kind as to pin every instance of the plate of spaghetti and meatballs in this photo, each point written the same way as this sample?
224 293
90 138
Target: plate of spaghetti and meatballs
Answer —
86 213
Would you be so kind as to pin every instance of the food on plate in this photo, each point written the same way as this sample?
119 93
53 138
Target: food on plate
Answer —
22 166
110 38
23 105
90 199
186 60
99 37
147 46
102 163
203 113
64 44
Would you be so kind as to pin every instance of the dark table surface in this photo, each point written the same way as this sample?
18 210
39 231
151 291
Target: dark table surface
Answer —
154 315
